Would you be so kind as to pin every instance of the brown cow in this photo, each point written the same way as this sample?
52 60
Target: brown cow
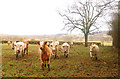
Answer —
26 46
44 53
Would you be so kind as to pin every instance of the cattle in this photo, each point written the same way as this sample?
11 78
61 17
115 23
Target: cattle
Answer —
71 44
94 49
8 43
54 47
65 49
25 46
44 53
19 48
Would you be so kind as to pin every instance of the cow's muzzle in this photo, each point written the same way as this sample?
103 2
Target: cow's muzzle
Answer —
18 51
41 48
65 51
91 51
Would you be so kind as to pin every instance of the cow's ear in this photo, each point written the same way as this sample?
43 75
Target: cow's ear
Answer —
45 42
38 42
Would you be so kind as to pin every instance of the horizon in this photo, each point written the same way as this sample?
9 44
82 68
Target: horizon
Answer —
56 34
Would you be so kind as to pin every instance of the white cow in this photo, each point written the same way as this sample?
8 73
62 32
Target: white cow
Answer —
19 48
65 49
54 47
94 49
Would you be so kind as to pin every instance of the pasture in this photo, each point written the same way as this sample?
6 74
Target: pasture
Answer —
78 63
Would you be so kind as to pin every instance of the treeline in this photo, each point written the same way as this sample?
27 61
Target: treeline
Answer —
115 32
60 42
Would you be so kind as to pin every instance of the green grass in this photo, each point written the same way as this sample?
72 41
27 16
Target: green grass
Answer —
78 64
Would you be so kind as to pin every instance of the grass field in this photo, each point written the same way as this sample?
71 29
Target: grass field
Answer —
78 64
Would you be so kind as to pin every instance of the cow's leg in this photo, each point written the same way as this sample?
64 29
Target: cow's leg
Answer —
27 51
24 51
42 61
91 55
16 56
45 63
55 54
48 63
22 54
64 54
15 53
96 56
67 55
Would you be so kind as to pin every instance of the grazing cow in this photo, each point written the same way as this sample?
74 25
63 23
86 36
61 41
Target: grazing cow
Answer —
44 53
8 43
54 47
19 48
94 49
65 48
25 46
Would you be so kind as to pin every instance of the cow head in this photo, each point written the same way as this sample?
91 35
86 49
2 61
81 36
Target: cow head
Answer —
65 49
17 48
91 48
53 46
42 44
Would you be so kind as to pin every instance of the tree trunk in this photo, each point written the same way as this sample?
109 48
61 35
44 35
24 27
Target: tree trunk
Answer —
86 40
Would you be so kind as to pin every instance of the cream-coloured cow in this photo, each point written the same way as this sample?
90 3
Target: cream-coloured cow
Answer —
65 49
54 47
94 49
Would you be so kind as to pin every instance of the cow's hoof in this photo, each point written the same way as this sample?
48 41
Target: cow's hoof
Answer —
22 55
67 56
43 67
90 57
48 69
16 56
96 58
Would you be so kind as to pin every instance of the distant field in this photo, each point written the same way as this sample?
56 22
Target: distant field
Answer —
107 43
78 64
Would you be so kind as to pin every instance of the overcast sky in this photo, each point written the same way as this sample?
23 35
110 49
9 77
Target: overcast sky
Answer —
32 17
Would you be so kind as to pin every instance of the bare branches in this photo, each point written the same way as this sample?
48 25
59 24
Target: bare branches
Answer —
84 16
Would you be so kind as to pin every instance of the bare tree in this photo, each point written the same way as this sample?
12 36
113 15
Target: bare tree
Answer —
83 16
